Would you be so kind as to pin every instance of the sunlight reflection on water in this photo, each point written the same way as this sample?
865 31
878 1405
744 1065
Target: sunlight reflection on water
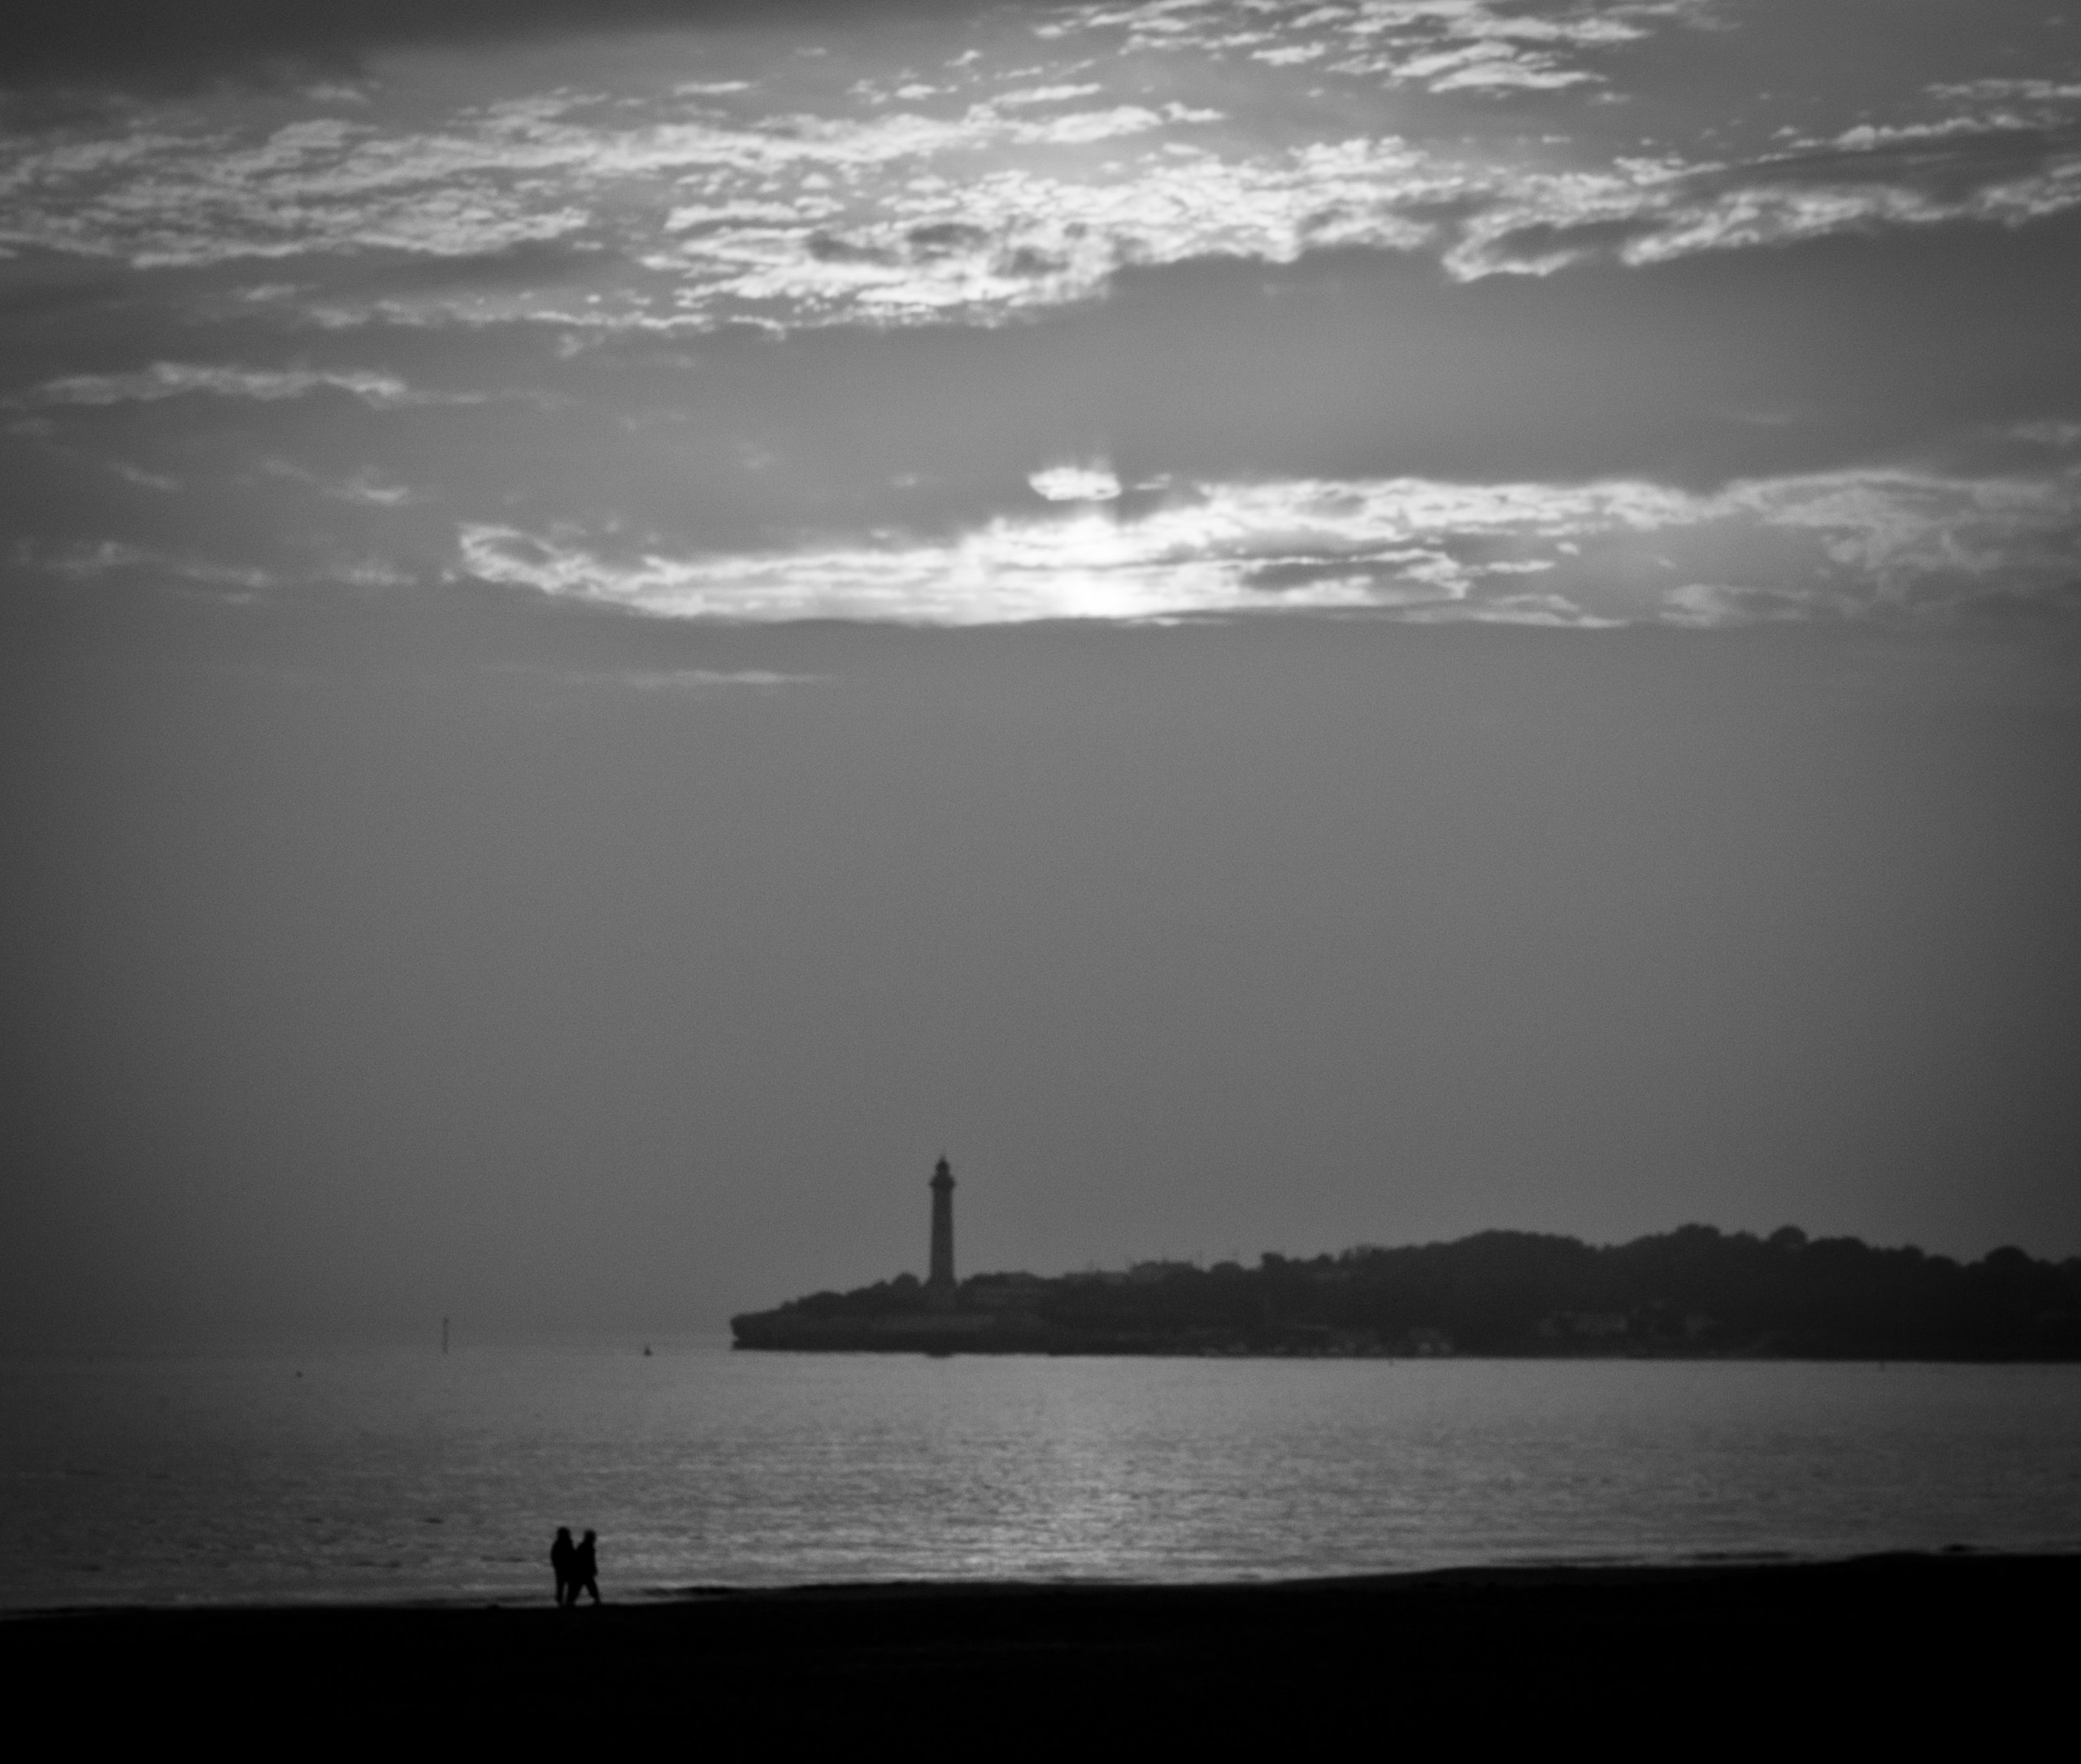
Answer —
396 1474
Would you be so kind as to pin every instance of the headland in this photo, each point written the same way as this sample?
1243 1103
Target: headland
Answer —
1693 1293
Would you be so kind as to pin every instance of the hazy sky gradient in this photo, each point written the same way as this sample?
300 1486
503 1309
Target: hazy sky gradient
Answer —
1274 624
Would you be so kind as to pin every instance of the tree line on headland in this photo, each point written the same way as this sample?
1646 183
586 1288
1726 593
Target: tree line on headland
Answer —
1693 1292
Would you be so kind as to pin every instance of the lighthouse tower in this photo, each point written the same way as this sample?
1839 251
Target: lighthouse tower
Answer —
938 1283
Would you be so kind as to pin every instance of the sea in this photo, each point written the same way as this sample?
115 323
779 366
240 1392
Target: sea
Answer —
396 1475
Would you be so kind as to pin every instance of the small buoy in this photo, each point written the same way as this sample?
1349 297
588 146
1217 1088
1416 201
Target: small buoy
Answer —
646 1350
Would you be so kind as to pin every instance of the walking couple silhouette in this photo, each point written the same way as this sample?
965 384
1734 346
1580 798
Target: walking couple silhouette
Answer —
577 1566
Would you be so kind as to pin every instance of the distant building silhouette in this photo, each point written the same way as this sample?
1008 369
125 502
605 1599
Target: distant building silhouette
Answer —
938 1283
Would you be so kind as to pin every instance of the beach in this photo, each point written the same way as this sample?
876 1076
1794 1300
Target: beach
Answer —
1625 1657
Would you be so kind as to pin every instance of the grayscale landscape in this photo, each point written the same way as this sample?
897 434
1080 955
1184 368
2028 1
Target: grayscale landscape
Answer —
1161 868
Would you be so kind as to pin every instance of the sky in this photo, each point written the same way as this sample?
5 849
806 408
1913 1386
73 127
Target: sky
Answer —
1274 624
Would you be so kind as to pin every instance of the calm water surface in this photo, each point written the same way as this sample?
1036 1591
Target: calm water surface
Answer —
388 1475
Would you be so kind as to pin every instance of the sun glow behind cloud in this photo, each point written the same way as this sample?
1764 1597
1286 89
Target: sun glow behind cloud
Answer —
1842 545
1076 483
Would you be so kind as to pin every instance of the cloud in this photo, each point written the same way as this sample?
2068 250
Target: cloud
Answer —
1005 241
1707 604
1060 158
144 480
1853 544
369 487
1013 185
98 558
700 680
2049 434
173 380
1076 483
689 682
500 177
1046 94
1440 45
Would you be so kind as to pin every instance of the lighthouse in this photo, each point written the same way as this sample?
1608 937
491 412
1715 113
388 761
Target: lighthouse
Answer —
938 1283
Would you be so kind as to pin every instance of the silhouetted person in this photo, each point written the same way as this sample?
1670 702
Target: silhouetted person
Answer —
564 1557
586 1570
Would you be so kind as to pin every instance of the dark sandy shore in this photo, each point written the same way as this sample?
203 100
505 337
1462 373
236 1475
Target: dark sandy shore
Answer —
1671 1660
